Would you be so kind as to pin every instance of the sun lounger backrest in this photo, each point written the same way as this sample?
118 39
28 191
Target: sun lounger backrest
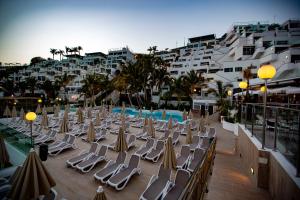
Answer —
102 150
195 139
93 147
150 143
53 133
175 135
198 154
134 161
159 145
71 140
182 177
185 151
211 132
66 138
205 143
121 157
164 173
131 139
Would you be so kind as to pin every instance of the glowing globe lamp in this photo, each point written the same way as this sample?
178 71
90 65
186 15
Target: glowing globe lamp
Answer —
229 92
243 85
30 116
266 72
263 89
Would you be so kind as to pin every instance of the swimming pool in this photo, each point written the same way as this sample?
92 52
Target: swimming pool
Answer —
157 114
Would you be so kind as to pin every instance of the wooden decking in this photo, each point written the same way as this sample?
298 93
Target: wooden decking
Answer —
229 179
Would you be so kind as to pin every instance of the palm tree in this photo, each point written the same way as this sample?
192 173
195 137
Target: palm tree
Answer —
22 87
79 48
162 77
65 80
247 74
93 84
60 52
193 80
48 88
67 50
31 83
53 52
74 50
221 93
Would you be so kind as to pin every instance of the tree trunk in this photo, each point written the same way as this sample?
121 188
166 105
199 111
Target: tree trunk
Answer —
129 98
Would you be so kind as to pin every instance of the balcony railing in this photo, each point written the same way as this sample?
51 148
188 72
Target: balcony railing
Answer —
282 132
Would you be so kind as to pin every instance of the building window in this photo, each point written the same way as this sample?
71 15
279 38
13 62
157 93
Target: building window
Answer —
212 71
206 57
174 72
248 50
238 69
195 65
228 69
204 63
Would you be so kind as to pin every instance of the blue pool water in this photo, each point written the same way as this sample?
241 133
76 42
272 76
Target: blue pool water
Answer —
157 114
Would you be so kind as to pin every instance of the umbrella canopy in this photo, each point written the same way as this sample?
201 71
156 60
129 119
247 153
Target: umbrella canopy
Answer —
188 138
164 114
121 144
100 194
184 115
98 119
7 112
79 115
44 122
33 180
64 127
38 109
91 132
169 158
170 123
4 157
191 114
151 130
22 114
14 112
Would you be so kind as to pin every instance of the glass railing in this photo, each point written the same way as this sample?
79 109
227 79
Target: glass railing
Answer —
18 140
282 132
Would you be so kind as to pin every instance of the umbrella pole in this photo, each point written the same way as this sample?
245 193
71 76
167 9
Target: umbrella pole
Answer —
31 139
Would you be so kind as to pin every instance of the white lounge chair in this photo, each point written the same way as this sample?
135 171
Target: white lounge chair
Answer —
82 155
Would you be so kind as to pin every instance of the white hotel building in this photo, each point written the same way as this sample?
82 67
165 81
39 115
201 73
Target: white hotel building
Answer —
244 45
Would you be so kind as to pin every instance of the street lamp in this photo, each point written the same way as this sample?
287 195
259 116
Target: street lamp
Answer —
243 85
265 72
229 93
31 116
39 100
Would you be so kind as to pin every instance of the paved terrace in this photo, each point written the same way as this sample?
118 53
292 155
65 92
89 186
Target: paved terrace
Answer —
228 181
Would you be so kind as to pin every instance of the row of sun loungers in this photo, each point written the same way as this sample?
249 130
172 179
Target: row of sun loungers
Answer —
117 174
161 187
57 147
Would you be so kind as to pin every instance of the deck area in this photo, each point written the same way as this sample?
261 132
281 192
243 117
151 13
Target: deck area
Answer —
228 181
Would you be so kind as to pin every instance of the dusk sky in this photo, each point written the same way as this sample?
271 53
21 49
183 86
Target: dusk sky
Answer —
31 27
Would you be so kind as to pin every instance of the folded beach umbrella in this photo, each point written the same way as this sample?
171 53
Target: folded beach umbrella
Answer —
170 123
56 111
169 158
100 195
163 117
32 181
89 113
14 112
7 112
91 132
191 115
146 121
202 125
123 121
151 130
64 127
44 122
98 119
121 145
22 114
79 116
38 109
188 138
4 157
184 115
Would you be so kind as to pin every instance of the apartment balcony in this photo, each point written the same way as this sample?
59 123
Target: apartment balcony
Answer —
269 58
258 52
232 52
